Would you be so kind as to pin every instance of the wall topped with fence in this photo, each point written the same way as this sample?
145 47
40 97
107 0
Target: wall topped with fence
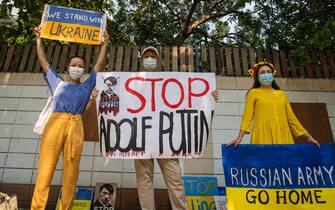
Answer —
222 60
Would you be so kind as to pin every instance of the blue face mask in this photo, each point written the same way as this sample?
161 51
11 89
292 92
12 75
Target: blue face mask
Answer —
265 79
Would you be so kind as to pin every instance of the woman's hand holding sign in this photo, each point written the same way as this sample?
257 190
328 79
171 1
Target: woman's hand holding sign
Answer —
37 31
95 93
311 140
215 95
102 54
40 49
237 140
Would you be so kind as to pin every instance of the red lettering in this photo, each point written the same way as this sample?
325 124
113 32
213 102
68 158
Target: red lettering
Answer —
166 82
182 95
191 94
135 93
153 81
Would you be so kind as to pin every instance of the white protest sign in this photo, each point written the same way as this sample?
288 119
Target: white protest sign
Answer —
154 114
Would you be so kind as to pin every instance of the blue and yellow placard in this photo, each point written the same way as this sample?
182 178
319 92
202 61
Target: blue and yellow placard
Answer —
73 25
82 199
200 192
277 177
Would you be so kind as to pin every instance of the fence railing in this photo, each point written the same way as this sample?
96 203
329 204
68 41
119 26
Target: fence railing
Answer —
222 60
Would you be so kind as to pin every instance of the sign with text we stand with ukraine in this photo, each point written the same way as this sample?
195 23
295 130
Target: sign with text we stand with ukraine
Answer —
73 25
154 114
276 177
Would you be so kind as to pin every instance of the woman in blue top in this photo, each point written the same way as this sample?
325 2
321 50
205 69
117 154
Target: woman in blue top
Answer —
64 130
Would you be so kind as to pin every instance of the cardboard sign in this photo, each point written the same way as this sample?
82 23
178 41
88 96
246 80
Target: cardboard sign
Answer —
200 192
104 196
276 177
82 199
73 25
154 114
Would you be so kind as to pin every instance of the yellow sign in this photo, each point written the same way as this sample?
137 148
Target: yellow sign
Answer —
279 199
73 25
200 203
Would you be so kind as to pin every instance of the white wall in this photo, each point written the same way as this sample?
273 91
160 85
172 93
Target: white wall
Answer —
19 146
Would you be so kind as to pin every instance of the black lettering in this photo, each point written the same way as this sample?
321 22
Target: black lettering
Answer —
95 36
103 134
87 33
317 197
163 131
252 197
306 198
189 137
133 136
297 197
196 134
77 32
117 126
281 196
203 122
69 30
62 30
144 128
182 147
52 26
266 197
189 129
117 134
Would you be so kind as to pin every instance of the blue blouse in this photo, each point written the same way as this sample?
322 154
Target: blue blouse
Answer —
70 98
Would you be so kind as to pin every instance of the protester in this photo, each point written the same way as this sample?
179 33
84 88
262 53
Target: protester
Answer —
64 130
269 109
170 167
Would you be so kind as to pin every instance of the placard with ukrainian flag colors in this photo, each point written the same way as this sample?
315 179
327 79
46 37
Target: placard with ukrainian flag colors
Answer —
278 177
82 199
73 25
200 192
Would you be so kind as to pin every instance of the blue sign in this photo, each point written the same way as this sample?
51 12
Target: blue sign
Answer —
297 176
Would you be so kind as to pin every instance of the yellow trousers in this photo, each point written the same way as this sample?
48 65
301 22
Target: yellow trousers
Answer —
63 132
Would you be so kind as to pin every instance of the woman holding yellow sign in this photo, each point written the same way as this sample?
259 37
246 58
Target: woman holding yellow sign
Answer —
269 109
64 129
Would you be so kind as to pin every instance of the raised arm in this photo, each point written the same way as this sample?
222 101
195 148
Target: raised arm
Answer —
40 50
102 54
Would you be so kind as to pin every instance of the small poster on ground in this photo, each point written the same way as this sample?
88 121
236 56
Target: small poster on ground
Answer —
200 192
82 199
104 196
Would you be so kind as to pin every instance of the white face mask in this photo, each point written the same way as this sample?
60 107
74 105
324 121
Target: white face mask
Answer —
150 63
76 72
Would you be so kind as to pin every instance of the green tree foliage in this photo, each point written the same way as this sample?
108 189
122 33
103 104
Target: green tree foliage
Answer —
141 22
295 25
174 22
